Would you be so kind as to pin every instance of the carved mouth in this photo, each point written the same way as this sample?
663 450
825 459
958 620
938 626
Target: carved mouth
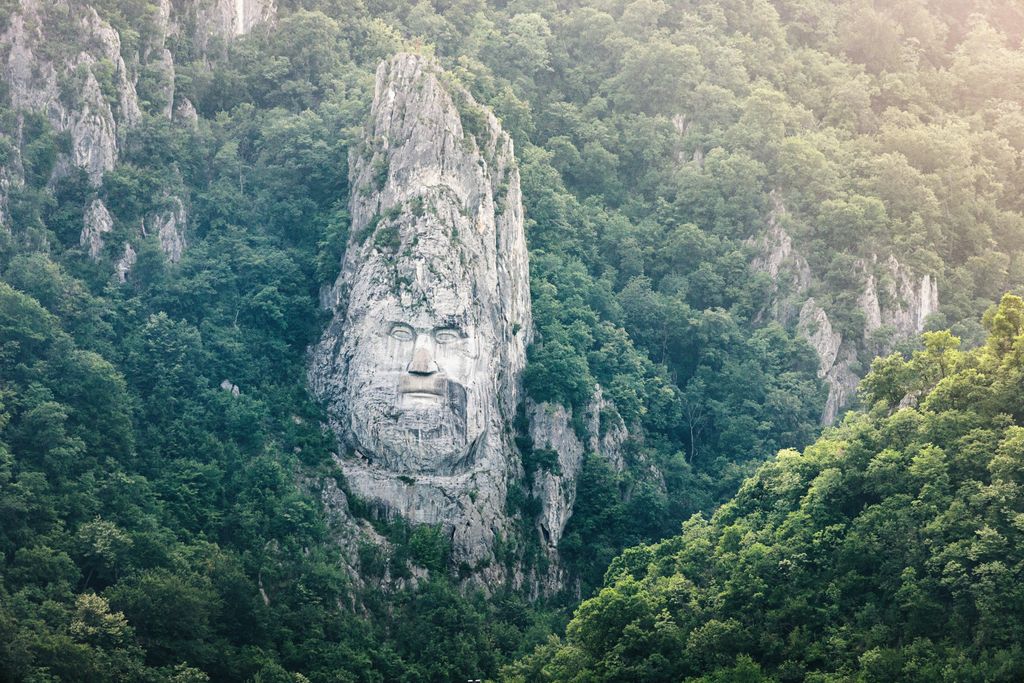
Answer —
418 386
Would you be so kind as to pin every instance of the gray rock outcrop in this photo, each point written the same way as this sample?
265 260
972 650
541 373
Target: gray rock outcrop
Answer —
125 263
63 61
420 366
169 225
227 19
894 301
558 447
554 486
835 360
551 429
61 82
909 299
788 269
95 224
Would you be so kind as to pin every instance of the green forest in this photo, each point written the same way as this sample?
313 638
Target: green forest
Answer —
889 550
157 527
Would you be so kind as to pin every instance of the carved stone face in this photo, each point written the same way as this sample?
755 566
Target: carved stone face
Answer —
419 367
419 383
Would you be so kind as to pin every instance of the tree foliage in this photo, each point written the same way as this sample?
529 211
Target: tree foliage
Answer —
890 549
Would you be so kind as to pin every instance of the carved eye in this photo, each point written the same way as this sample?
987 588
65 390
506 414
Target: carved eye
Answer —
403 333
446 336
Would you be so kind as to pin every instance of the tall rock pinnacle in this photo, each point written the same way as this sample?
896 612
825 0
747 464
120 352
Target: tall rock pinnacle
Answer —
420 366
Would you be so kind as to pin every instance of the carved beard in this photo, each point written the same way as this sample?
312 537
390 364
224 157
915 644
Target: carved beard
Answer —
424 436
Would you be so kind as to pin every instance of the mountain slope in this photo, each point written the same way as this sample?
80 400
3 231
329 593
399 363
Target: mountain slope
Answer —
890 549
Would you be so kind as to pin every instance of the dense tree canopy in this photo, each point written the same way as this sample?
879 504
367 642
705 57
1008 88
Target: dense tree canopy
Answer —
156 527
890 549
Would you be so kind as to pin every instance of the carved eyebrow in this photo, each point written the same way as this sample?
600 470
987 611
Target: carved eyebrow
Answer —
448 329
401 328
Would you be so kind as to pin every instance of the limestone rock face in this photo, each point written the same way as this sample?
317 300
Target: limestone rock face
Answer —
559 451
169 225
226 19
62 60
420 366
835 360
551 429
895 302
61 83
909 299
815 327
96 223
787 268
125 263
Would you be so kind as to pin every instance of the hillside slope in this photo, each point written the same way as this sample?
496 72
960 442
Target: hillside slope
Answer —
890 549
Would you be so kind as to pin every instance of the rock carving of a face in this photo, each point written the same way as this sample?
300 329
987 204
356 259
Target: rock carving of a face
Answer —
415 377
421 362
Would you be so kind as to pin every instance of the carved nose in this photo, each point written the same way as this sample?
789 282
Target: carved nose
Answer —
422 362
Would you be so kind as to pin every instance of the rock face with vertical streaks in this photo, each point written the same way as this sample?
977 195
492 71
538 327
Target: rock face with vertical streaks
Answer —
227 19
48 76
420 366
894 300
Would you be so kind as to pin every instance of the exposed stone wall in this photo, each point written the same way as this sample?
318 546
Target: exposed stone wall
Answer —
893 299
420 366
38 68
228 19
58 78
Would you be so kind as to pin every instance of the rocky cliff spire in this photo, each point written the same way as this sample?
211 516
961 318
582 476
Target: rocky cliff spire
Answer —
420 366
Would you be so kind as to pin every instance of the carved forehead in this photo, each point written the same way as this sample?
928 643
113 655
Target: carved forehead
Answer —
441 306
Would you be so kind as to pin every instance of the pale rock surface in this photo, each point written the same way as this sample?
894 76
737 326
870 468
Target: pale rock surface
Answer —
230 387
35 67
8 179
815 327
228 19
185 112
909 298
169 225
788 269
551 428
165 64
835 359
893 298
125 263
59 80
420 366
607 432
95 224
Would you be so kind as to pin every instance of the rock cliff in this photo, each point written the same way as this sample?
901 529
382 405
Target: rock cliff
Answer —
895 303
420 366
63 61
227 19
48 75
169 225
551 429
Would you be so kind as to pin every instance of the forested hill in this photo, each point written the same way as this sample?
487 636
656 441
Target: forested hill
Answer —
731 207
889 550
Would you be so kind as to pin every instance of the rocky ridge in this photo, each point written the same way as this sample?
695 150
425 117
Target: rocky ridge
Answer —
67 64
895 302
436 248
